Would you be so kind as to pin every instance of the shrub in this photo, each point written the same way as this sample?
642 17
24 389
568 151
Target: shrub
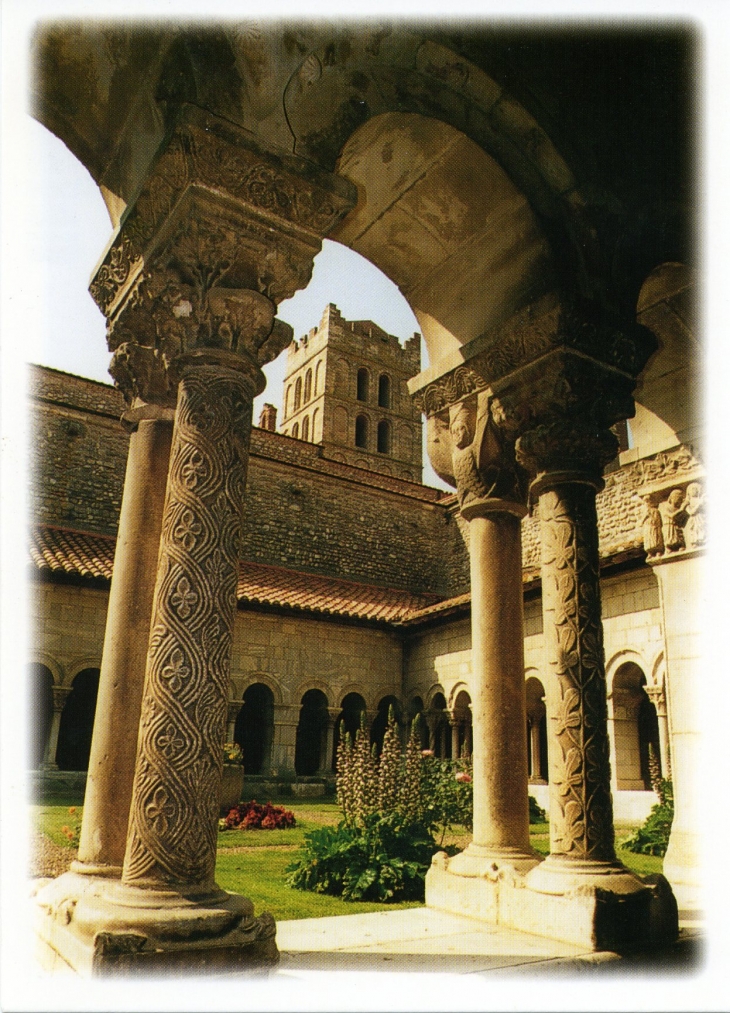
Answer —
382 858
537 813
653 837
254 816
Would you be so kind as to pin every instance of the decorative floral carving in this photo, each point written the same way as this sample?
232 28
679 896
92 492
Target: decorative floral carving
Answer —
214 157
172 831
566 445
581 824
449 389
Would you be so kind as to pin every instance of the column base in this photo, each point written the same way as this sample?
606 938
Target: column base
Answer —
586 915
479 860
97 926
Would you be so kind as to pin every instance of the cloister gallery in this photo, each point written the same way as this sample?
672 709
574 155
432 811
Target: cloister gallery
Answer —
530 194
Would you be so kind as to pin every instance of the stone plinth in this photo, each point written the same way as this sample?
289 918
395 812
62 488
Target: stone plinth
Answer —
96 929
583 915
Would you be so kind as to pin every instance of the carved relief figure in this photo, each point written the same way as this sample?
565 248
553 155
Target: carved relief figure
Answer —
694 507
482 464
672 514
651 527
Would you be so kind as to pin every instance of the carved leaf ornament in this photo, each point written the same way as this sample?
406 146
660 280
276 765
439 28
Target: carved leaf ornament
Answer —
575 649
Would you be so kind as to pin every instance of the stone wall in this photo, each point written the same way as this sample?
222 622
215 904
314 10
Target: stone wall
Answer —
293 654
302 511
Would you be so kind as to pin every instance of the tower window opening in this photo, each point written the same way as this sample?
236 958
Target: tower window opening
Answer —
384 436
361 431
384 391
363 383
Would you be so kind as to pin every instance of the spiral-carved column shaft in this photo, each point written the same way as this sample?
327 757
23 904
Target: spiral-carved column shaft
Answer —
581 818
172 828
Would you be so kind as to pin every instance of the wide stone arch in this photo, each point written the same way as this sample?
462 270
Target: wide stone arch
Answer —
505 197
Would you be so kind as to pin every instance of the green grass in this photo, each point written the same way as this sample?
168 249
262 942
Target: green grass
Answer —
253 862
50 818
259 875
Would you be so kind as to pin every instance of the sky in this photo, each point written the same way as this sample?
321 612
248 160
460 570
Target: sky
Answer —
68 231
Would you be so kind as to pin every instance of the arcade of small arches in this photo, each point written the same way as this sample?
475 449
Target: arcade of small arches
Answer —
64 718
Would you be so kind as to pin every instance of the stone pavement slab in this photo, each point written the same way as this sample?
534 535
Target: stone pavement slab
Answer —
420 939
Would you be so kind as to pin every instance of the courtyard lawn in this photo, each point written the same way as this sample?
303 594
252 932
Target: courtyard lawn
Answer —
253 862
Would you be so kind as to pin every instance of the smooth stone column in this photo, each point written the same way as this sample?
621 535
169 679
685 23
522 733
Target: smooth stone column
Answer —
283 748
581 812
680 587
501 813
233 712
454 738
328 743
657 697
60 695
114 741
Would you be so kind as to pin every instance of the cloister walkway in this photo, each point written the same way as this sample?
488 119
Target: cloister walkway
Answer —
426 940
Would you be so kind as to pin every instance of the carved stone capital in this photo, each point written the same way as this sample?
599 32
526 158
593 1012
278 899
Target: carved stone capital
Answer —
220 233
550 323
279 194
477 456
569 448
60 695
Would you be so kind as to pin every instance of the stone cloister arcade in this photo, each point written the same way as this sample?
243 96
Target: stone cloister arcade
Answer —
540 231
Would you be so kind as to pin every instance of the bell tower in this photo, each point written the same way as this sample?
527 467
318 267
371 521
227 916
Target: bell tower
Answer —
345 388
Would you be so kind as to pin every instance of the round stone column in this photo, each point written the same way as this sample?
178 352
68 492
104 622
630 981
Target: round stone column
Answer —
60 695
581 813
172 834
114 741
501 815
168 894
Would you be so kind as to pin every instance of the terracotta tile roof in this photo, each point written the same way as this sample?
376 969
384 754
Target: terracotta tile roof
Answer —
260 584
73 552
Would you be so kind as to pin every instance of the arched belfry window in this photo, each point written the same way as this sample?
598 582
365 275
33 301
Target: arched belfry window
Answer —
305 427
308 386
385 436
318 378
287 401
298 394
384 391
295 430
363 384
361 431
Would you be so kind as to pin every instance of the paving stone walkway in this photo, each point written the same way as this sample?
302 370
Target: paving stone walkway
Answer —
426 940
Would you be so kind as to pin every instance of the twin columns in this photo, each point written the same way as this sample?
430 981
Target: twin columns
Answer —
220 234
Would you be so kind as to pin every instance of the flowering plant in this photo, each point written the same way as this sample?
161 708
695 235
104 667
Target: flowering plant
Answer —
232 753
254 816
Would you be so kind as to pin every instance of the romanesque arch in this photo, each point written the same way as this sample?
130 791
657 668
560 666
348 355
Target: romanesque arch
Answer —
77 721
40 691
254 728
635 728
311 736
